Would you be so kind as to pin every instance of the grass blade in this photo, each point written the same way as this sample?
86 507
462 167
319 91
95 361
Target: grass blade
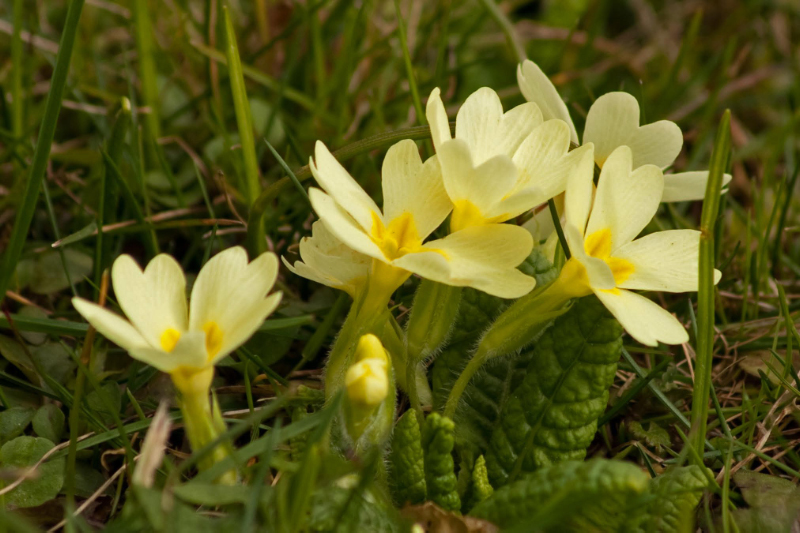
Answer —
251 186
705 297
43 144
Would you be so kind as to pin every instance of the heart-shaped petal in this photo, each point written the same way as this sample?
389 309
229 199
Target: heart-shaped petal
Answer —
613 121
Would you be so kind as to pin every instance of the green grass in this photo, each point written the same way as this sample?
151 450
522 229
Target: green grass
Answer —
186 128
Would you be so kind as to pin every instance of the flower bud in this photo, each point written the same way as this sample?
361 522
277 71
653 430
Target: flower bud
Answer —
370 347
367 382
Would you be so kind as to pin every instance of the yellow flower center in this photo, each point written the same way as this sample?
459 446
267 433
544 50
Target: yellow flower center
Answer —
213 338
398 238
598 245
169 339
466 215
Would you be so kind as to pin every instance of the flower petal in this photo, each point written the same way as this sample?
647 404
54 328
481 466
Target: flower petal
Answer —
625 201
337 182
580 188
643 319
342 225
483 257
484 185
110 325
227 291
153 300
243 326
688 186
613 121
478 123
537 88
189 352
327 260
599 273
542 159
516 204
413 187
437 119
663 261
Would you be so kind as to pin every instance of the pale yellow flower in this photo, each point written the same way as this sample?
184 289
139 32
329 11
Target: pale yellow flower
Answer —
499 165
229 302
613 121
415 204
327 260
610 262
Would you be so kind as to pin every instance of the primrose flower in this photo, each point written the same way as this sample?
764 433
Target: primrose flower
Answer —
415 204
327 260
229 302
499 165
609 261
613 121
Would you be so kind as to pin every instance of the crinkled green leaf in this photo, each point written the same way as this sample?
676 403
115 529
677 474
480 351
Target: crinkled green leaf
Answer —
649 432
670 502
552 416
572 496
24 452
440 478
14 421
479 487
773 503
45 273
407 462
361 514
48 422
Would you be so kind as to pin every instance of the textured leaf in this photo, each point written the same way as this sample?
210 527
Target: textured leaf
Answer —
672 498
591 496
650 432
407 462
479 487
440 477
48 422
24 452
552 416
361 514
14 421
773 503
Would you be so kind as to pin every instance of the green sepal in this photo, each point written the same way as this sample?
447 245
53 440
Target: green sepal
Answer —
670 502
552 416
572 496
407 461
440 478
433 314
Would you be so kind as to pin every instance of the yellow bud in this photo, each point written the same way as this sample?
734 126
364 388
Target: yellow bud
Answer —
367 381
370 347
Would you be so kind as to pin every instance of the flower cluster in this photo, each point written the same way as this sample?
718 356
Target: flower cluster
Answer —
497 167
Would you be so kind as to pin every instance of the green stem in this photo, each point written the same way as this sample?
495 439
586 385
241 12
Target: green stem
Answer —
202 431
705 298
480 357
515 328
